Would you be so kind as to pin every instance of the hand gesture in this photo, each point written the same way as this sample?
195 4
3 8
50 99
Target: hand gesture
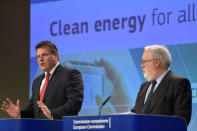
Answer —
10 108
44 109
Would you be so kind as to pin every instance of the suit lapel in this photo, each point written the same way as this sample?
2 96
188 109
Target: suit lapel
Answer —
37 92
144 91
142 95
52 82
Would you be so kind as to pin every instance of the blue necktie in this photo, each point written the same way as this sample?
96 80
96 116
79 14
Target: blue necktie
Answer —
149 95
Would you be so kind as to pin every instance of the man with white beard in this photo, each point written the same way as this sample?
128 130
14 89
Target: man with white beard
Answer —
164 93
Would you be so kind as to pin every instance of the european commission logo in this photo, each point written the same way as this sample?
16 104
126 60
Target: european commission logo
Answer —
42 1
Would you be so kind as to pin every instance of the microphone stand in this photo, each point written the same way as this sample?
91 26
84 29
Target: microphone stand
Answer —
100 108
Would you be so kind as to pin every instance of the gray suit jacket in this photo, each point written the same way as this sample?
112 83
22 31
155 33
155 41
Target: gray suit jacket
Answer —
63 95
172 97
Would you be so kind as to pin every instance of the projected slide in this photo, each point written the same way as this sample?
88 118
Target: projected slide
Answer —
104 39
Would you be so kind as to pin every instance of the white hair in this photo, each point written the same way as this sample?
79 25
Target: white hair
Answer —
160 52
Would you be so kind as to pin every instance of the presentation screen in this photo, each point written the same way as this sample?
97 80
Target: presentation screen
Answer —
105 39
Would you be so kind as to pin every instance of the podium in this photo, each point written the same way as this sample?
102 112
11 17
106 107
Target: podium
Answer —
95 123
124 123
30 125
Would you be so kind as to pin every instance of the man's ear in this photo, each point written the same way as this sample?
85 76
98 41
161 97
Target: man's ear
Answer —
157 62
56 56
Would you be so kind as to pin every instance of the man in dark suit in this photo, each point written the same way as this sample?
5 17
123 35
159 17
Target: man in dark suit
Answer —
56 93
165 93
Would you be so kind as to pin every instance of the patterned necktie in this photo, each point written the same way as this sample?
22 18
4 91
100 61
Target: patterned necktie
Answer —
149 95
44 86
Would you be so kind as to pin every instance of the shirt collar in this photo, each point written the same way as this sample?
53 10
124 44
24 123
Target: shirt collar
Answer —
162 76
53 69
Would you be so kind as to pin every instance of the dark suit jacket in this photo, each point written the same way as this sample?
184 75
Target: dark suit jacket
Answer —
63 95
172 97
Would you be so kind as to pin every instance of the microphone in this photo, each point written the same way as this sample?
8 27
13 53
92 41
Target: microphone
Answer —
100 108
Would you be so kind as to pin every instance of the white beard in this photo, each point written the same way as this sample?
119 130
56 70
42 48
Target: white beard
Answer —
150 75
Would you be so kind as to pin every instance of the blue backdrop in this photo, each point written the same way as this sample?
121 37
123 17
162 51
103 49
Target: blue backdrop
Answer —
105 40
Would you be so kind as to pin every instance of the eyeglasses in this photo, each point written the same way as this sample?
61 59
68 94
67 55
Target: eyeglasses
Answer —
145 61
42 55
